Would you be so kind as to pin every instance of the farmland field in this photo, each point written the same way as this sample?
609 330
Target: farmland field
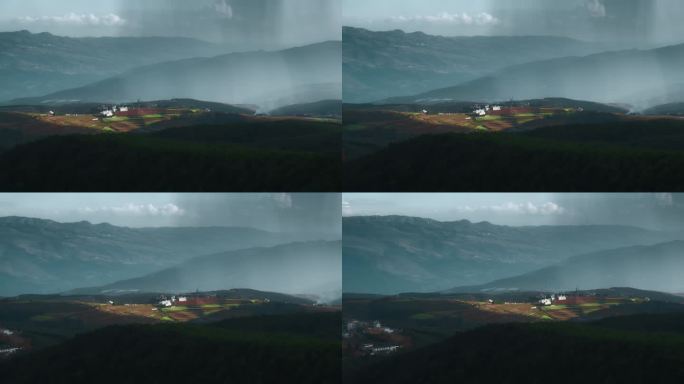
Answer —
170 148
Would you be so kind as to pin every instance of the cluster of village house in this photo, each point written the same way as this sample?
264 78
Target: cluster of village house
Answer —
552 298
478 111
355 327
170 302
544 300
482 111
8 350
109 112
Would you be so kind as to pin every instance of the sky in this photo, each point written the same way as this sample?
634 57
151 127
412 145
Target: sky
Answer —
280 212
644 22
663 211
259 24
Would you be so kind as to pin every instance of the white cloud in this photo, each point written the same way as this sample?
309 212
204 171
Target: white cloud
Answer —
224 9
347 208
480 19
545 209
132 209
284 200
596 8
665 199
86 19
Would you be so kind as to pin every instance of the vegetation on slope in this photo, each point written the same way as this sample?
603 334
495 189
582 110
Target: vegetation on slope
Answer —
263 350
278 156
628 349
643 156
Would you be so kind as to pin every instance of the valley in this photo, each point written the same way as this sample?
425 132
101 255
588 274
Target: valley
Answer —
508 113
168 141
444 146
411 321
39 321
579 293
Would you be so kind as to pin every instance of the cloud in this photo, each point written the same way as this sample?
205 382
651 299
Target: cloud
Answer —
596 8
86 19
480 19
284 200
133 209
347 208
545 209
665 199
223 9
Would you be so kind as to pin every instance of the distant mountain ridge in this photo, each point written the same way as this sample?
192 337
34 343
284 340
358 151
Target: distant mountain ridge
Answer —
380 65
269 79
608 77
654 267
43 256
394 254
296 268
33 64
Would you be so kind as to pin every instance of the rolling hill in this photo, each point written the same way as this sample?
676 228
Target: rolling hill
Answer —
42 256
296 348
325 108
588 157
379 65
675 109
231 153
642 78
36 64
397 254
277 269
653 267
268 79
641 349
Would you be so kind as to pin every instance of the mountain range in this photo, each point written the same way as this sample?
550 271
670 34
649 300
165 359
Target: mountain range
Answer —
395 254
641 78
296 268
267 79
654 267
379 65
34 64
43 256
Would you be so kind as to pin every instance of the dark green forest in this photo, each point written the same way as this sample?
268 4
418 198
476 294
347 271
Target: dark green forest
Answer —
296 348
273 156
613 156
641 349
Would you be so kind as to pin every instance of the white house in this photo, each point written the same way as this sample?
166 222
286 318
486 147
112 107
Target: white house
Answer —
166 303
496 108
123 109
545 301
107 113
562 297
182 299
480 112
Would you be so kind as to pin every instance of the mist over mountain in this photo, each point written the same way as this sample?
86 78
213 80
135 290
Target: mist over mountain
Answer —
379 65
654 267
35 64
394 254
641 78
269 79
297 268
44 256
